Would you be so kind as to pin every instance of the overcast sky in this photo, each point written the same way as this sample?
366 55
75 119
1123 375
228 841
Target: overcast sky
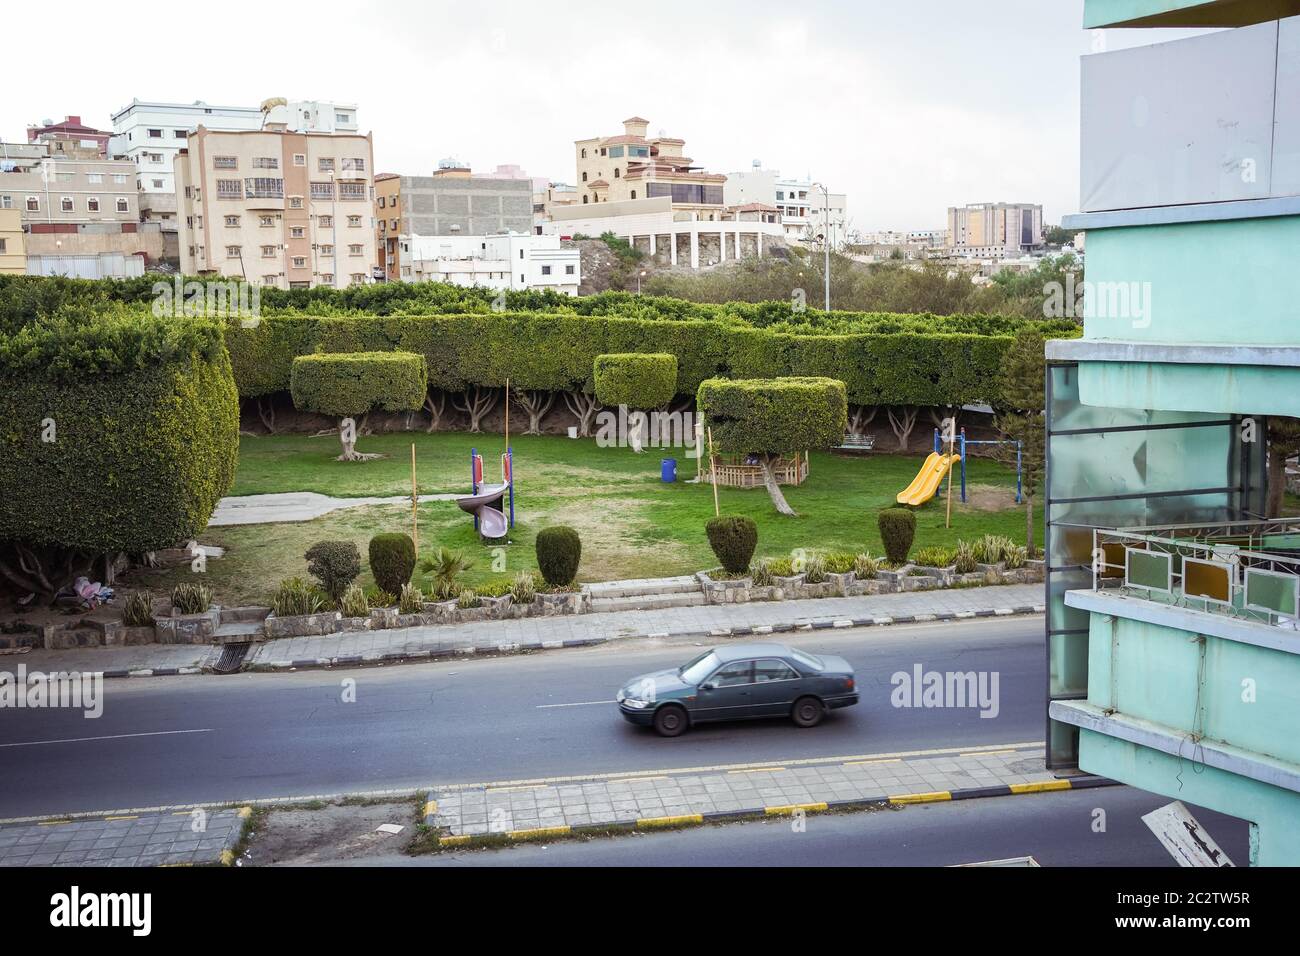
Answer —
907 107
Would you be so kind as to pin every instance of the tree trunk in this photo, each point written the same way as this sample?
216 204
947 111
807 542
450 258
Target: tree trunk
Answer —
863 415
478 403
536 404
435 408
584 406
902 423
773 489
1029 526
350 452
266 412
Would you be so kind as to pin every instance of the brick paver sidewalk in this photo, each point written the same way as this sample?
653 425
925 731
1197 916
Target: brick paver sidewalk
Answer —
523 810
760 617
147 839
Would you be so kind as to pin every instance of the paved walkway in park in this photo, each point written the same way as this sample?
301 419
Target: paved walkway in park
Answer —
295 506
545 809
709 620
184 838
538 633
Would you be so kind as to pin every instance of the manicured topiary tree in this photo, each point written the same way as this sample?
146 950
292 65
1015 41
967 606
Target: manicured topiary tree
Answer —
559 550
640 381
119 433
897 531
335 564
733 539
771 417
392 560
351 384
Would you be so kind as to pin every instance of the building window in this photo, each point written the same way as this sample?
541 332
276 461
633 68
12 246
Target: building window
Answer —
92 204
65 204
584 152
63 177
355 249
94 179
295 202
296 232
6 202
123 205
327 278
178 134
119 179
155 134
268 252
546 270
383 225
616 172
325 222
260 188
327 250
232 252
322 190
392 225
300 262
354 222
352 191
157 184
300 159
225 162
584 177
634 194
4 245
325 164
228 189
155 158
270 280
568 270
584 199
354 164
358 278
266 222
266 162
232 221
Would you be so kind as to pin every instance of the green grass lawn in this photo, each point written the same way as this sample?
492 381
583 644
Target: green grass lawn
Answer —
632 524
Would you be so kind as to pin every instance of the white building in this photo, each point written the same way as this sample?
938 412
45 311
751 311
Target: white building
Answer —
508 261
801 203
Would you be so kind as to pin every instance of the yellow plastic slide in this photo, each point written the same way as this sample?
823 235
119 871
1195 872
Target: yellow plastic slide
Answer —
926 483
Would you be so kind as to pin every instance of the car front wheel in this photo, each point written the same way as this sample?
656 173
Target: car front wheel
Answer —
670 720
808 712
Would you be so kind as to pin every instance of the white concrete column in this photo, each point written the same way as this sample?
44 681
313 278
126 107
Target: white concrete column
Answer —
737 242
672 247
758 237
695 249
652 243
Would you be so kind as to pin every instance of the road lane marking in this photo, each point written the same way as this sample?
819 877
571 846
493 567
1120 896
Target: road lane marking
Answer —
581 703
78 740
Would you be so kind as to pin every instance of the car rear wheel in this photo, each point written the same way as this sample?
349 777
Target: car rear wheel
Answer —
807 712
670 720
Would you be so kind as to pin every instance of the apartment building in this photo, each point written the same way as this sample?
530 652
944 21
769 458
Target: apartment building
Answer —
388 225
70 137
13 247
277 207
510 262
994 230
630 166
803 207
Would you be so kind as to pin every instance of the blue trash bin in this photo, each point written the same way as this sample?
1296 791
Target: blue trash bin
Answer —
668 469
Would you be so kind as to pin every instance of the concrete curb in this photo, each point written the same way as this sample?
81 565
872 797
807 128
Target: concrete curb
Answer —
757 813
829 623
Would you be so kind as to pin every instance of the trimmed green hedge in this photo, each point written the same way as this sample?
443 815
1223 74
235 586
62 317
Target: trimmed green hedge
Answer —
635 379
777 416
357 382
145 423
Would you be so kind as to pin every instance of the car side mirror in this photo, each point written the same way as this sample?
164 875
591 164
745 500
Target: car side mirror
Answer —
708 685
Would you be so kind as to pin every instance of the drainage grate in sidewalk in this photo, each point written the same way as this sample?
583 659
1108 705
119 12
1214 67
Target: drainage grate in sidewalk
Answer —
232 658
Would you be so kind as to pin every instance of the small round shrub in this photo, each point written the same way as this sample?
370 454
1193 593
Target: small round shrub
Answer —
897 531
559 549
335 564
392 560
733 539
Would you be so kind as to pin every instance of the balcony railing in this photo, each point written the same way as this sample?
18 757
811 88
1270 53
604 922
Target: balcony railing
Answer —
1241 569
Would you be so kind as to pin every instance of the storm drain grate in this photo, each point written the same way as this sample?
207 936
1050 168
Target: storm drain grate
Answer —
232 658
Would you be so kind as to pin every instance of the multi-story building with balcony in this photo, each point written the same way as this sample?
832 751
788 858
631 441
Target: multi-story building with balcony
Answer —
630 166
71 137
510 261
277 207
804 209
1173 594
995 229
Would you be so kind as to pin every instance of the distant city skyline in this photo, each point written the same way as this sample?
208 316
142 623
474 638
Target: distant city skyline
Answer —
905 118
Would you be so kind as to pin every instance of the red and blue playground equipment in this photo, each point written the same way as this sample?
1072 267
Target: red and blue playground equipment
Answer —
962 442
492 505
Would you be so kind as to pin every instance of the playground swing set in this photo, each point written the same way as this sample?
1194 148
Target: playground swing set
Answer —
938 465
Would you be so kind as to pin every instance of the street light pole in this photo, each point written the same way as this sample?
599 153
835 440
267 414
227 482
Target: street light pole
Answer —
826 239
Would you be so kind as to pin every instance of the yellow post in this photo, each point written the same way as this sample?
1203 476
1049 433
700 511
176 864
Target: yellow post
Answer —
713 473
415 501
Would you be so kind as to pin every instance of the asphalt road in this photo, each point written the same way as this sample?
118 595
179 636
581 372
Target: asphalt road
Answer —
1056 829
163 741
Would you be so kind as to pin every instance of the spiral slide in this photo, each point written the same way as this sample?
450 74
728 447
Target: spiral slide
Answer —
927 481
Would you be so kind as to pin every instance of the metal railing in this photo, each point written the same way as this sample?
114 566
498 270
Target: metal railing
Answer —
1219 568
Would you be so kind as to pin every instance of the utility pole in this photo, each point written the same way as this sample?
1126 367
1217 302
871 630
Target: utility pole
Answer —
826 239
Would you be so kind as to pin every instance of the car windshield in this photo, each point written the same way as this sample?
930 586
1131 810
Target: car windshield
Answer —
698 669
807 660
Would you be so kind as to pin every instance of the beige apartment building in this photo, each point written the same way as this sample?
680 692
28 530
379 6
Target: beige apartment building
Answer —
388 223
630 166
995 229
13 250
277 208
